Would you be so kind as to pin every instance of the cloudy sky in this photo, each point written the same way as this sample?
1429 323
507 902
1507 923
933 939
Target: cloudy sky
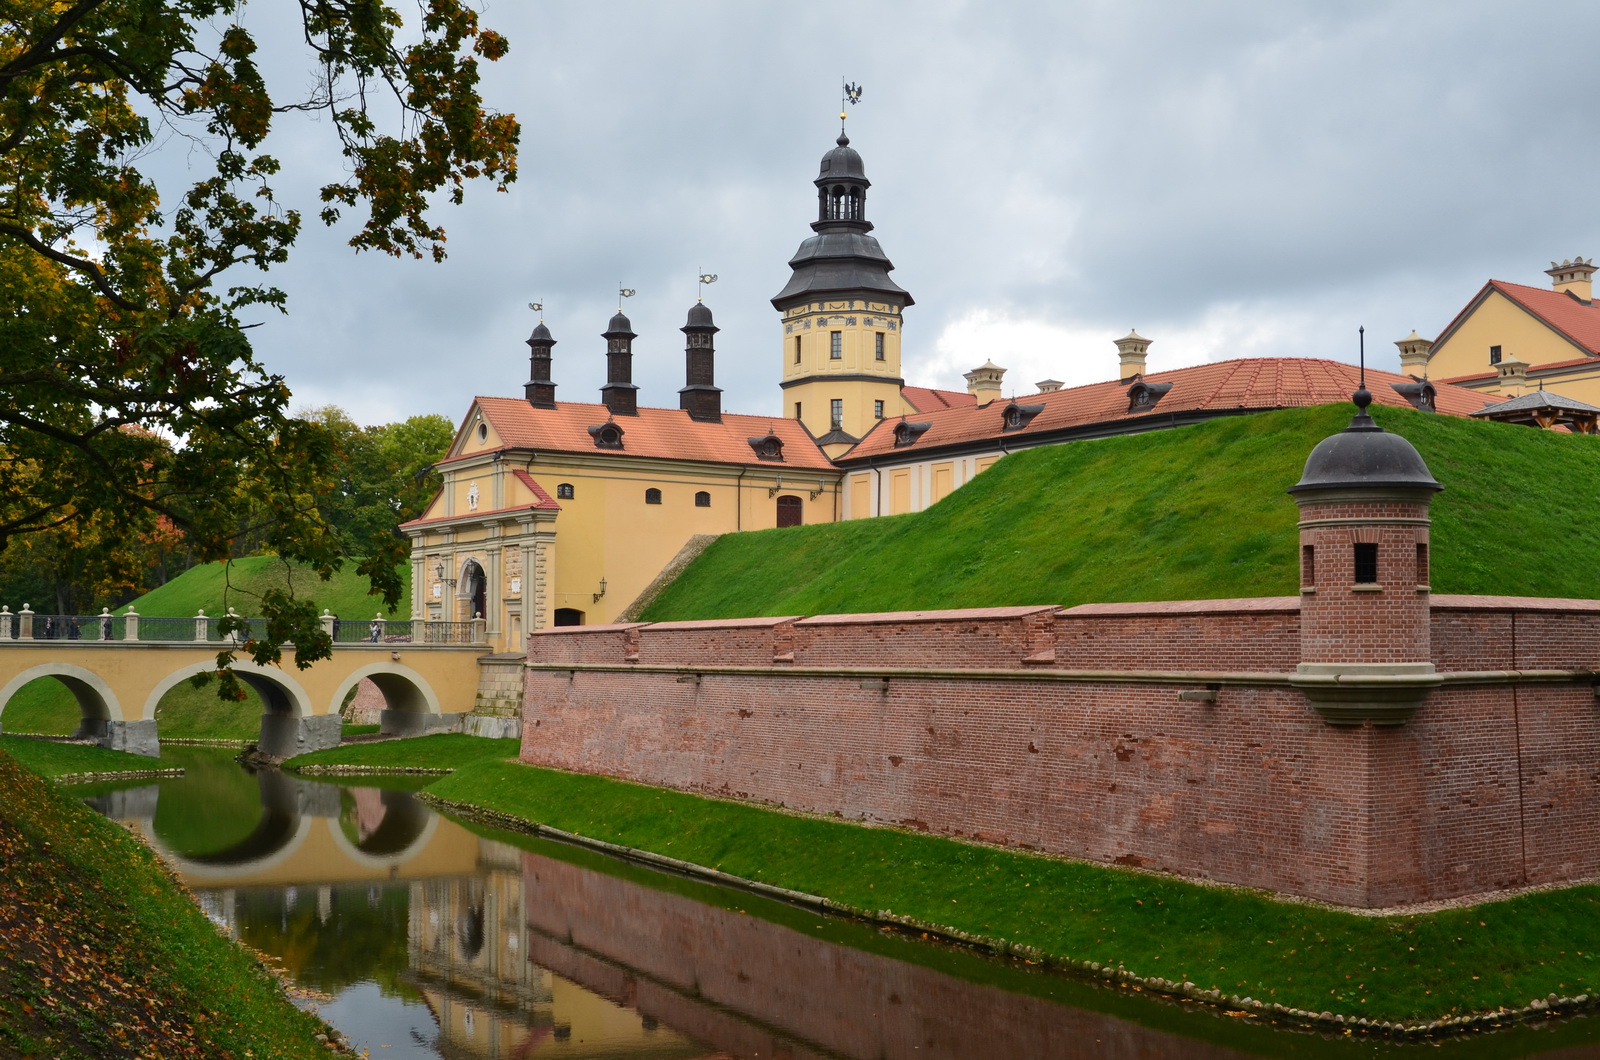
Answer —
1232 179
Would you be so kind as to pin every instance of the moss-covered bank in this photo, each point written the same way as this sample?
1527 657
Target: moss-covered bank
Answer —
102 954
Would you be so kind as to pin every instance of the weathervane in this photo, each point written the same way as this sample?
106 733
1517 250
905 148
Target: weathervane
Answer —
623 292
852 96
537 307
700 290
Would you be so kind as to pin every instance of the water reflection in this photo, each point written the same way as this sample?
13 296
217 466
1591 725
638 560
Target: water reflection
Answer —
429 940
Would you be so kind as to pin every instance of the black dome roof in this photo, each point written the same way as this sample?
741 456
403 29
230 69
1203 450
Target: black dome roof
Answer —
619 325
1365 456
842 161
541 334
699 315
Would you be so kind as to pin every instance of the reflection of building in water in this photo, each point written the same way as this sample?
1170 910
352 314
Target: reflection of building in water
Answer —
468 958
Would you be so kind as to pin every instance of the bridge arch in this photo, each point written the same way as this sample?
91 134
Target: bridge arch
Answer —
410 703
280 693
96 701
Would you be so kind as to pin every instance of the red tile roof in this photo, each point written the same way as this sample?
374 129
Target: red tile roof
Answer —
1576 321
666 434
925 399
545 500
1256 384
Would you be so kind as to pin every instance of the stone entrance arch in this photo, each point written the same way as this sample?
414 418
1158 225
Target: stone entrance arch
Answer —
289 725
410 705
474 591
97 703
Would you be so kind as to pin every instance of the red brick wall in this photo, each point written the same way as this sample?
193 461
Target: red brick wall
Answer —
748 987
1385 622
1485 788
976 639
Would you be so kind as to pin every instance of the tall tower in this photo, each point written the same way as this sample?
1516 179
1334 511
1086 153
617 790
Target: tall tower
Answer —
841 314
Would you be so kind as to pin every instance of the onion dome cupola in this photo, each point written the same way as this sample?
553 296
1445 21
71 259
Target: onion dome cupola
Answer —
700 397
620 395
841 257
540 389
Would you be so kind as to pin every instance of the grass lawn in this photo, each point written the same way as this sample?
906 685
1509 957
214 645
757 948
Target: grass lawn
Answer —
1243 943
1194 513
445 750
102 954
219 586
51 760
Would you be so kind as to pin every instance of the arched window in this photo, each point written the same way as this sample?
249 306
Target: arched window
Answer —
652 496
564 491
789 512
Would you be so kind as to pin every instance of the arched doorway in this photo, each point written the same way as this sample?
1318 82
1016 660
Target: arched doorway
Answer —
567 616
789 511
475 590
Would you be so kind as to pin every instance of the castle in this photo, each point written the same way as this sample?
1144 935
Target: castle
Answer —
556 512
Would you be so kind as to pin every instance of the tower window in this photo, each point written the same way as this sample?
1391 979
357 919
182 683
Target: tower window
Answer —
564 491
652 496
836 413
797 410
1494 355
877 346
1308 566
877 409
1422 564
835 345
797 349
702 499
1366 557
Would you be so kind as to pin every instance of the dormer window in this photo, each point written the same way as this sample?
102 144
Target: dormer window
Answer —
768 447
907 433
1142 396
1419 392
606 436
1014 417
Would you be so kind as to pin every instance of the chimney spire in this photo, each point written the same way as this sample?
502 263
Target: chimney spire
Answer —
540 390
700 396
1131 351
620 395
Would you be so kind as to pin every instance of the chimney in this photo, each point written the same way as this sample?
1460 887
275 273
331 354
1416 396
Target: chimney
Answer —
539 389
1575 277
1513 375
1049 386
1131 350
983 382
1414 351
619 394
700 397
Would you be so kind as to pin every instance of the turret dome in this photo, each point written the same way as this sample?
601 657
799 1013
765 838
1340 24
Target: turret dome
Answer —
843 161
1365 456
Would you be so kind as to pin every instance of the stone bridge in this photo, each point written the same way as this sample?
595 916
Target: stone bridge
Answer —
119 683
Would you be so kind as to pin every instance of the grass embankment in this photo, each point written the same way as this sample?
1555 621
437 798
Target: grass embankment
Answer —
1240 943
1194 513
46 707
103 955
55 760
440 753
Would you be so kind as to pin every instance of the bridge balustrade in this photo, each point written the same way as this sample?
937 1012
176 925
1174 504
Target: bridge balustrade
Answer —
27 625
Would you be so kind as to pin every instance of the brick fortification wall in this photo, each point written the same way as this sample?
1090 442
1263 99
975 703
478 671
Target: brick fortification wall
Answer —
748 987
1065 733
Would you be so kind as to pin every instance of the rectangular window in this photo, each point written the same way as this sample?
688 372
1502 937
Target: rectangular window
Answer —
877 346
1494 355
877 409
797 410
836 411
1308 566
1422 564
797 349
835 345
1366 564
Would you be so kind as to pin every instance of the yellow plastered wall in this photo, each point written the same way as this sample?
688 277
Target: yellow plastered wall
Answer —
1498 321
814 378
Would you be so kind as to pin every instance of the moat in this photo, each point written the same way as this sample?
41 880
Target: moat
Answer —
418 936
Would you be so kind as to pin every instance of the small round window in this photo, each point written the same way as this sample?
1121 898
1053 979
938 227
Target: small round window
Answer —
483 432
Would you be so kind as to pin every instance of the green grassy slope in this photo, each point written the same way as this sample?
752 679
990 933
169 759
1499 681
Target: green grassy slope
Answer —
219 586
1194 513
